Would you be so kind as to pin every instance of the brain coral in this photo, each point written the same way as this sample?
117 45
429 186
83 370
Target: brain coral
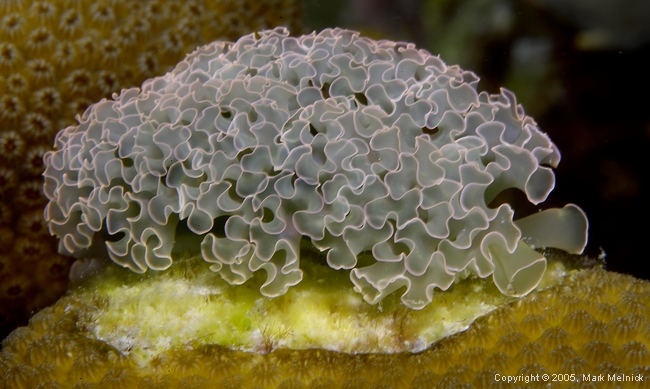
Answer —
375 152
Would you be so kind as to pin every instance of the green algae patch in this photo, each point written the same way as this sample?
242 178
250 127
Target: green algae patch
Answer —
188 305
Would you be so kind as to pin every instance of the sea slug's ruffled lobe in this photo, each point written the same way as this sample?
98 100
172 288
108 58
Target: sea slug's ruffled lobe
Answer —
362 146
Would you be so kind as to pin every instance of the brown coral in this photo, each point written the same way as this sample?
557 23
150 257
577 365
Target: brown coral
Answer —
54 60
55 351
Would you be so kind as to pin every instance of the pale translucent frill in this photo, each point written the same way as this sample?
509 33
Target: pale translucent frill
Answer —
362 146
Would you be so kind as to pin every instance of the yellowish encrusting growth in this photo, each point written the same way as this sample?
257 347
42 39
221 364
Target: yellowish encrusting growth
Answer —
593 322
56 58
323 312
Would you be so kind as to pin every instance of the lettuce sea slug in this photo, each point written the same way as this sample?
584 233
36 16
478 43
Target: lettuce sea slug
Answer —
376 154
316 211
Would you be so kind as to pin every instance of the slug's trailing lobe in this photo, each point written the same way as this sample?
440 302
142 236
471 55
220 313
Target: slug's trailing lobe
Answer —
359 145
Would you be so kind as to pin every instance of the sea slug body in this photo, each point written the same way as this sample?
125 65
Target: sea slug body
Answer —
370 149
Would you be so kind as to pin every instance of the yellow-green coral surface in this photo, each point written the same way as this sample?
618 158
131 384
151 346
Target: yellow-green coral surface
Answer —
147 314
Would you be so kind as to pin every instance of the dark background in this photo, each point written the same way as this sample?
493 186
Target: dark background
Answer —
580 68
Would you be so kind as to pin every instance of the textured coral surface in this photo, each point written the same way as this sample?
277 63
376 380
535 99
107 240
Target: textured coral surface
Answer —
375 152
322 312
595 322
56 58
